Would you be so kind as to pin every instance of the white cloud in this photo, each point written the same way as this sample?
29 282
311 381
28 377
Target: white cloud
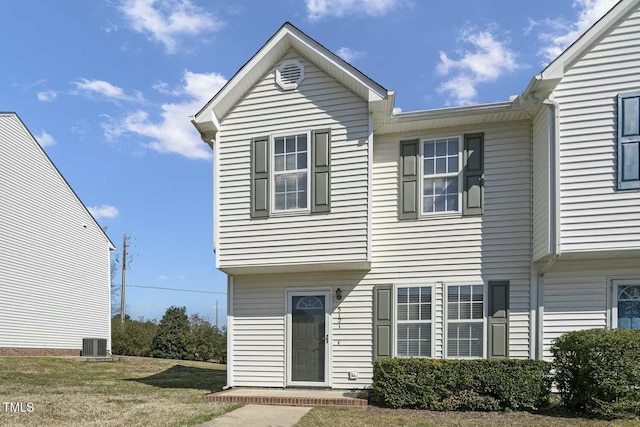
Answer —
559 34
47 95
166 21
105 89
45 139
488 59
173 133
318 9
163 277
103 211
348 54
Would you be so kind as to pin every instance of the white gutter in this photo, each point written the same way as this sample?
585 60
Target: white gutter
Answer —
466 110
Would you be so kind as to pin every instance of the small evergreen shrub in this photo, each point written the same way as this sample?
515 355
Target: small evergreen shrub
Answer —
172 338
474 385
597 371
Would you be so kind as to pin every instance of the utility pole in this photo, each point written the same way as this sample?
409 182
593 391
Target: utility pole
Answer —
125 238
216 313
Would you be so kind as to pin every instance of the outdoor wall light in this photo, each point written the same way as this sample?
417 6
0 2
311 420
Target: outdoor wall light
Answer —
338 294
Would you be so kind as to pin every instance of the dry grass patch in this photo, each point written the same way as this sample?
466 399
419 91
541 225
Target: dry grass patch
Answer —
378 417
133 392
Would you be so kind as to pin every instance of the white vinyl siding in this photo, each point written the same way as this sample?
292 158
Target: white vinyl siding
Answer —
577 295
302 239
453 249
595 216
541 183
259 340
54 259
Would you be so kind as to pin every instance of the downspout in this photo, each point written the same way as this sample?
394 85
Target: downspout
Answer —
554 215
229 333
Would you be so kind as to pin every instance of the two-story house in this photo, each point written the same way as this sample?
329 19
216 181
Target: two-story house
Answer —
54 257
349 231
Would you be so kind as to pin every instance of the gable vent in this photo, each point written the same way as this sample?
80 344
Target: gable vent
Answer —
289 74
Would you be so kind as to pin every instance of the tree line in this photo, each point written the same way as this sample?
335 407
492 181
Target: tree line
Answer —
176 336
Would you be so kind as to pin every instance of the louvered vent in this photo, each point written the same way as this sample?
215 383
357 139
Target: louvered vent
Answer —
290 74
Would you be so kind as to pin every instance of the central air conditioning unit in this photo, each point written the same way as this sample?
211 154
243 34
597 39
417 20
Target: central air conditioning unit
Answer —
94 347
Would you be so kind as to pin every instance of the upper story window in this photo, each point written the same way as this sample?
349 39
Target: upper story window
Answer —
441 175
629 141
291 172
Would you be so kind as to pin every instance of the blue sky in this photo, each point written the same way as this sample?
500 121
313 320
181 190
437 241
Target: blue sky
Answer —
107 87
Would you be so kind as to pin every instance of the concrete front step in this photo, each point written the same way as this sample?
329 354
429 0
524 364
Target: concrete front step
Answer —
291 397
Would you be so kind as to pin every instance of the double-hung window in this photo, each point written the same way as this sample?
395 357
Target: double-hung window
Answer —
441 175
465 321
291 172
413 321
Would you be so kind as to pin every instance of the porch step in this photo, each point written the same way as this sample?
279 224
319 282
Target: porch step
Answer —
290 397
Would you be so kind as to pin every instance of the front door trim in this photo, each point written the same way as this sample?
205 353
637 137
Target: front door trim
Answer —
289 294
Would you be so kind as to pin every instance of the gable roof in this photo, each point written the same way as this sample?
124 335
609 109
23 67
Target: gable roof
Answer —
288 36
13 115
542 85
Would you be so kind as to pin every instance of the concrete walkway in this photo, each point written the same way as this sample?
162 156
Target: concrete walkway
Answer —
260 416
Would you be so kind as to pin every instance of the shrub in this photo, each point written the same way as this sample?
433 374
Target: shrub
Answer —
478 385
597 371
172 338
206 342
134 338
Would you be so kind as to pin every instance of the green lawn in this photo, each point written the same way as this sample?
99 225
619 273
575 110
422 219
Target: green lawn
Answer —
378 417
133 392
156 392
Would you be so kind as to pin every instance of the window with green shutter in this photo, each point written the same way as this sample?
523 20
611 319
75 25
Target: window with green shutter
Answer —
291 173
629 141
440 176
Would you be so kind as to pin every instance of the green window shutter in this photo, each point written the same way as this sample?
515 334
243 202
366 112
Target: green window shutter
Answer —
321 171
498 321
382 324
408 180
473 175
629 141
260 177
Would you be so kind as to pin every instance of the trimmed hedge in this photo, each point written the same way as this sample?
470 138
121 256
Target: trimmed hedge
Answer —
473 385
597 371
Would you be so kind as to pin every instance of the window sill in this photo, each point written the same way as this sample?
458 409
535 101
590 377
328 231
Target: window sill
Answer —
297 212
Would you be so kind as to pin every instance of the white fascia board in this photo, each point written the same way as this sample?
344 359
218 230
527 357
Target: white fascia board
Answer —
556 69
287 36
242 73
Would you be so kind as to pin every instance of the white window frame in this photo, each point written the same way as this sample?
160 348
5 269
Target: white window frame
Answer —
448 175
273 173
447 321
615 284
396 321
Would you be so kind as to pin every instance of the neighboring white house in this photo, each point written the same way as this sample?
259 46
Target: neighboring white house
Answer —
350 232
54 257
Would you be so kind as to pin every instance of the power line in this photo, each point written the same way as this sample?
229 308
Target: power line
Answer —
176 289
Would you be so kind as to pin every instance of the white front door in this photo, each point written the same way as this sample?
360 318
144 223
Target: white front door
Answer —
308 337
